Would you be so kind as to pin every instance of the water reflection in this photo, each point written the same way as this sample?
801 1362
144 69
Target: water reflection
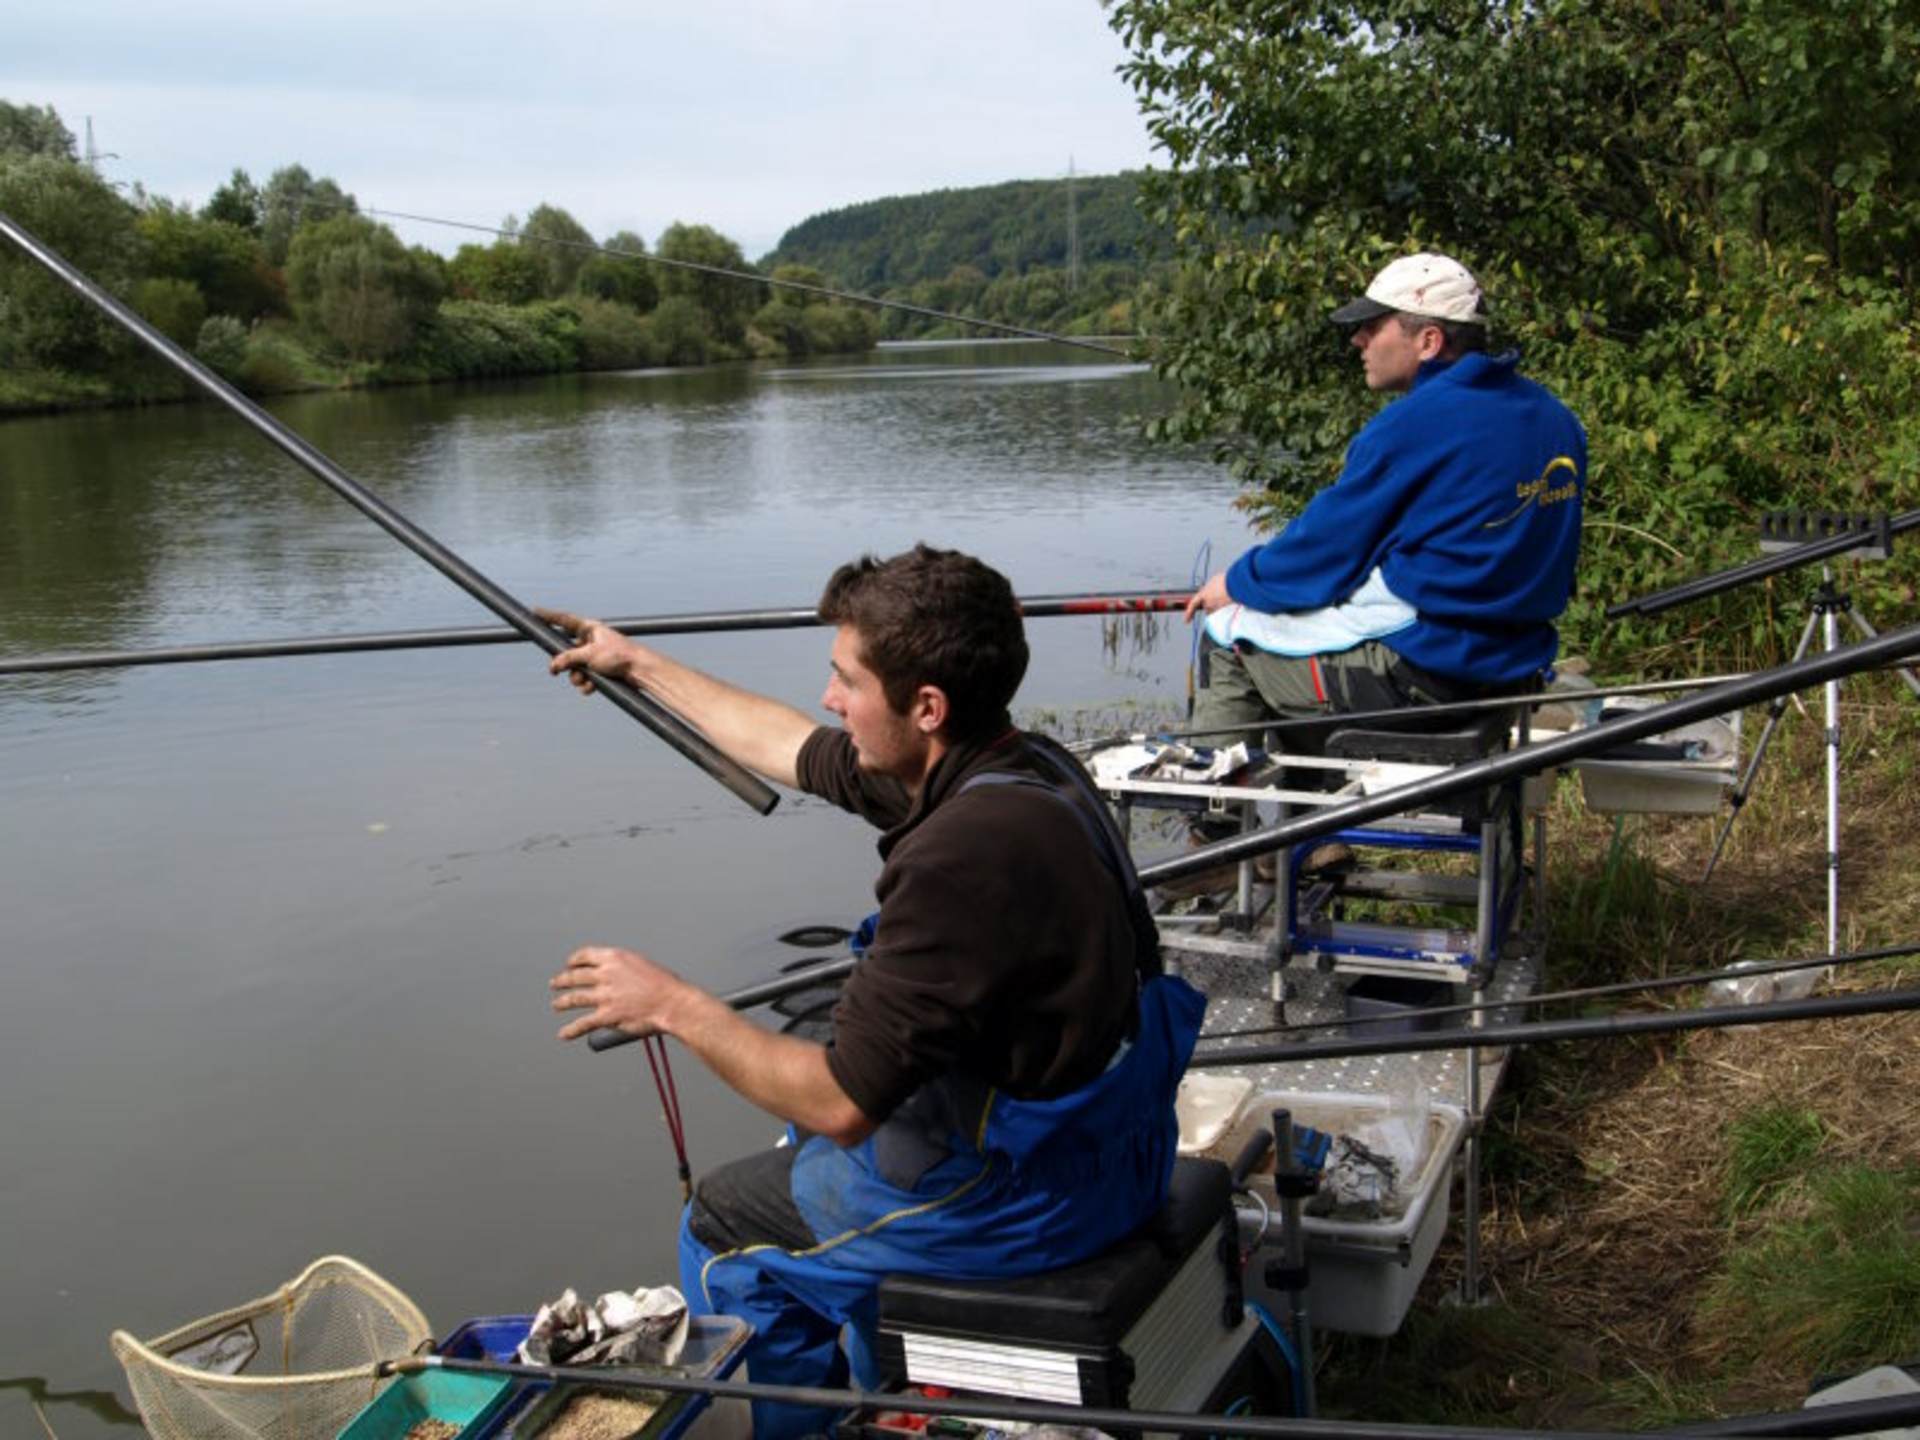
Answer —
277 930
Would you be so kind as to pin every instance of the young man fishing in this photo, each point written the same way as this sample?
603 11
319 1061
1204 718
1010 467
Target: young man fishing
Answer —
997 1097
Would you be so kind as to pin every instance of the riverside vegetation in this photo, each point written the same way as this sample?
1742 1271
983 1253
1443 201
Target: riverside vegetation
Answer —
285 286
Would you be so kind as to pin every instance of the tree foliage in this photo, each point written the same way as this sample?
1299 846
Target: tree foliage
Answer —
1697 221
614 276
726 303
292 198
352 281
33 130
1004 229
66 205
560 244
238 203
223 260
503 273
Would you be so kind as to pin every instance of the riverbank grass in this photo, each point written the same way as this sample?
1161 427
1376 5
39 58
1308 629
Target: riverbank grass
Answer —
1679 1227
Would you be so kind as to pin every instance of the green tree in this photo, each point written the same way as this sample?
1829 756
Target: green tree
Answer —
503 273
236 203
291 198
42 322
613 275
175 308
680 331
355 284
223 260
561 245
34 130
727 302
1697 221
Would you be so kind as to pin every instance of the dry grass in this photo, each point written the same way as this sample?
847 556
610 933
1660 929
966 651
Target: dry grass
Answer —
1606 1217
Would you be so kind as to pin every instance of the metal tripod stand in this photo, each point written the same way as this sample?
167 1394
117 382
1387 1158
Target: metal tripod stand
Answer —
1826 607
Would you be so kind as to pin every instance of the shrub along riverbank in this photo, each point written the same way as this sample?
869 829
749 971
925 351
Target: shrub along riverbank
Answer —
285 286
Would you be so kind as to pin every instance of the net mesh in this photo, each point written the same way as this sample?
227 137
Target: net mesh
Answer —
294 1365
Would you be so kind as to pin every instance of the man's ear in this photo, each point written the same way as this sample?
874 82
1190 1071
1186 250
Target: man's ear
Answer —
930 709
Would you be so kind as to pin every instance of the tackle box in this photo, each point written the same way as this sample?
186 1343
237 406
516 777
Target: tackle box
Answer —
713 1350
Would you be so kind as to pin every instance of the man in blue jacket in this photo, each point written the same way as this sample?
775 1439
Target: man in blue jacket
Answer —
1433 569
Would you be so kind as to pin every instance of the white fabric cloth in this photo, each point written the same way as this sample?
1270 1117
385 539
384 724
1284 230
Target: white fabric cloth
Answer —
1372 612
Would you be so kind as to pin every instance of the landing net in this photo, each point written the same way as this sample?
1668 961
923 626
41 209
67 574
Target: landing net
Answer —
294 1365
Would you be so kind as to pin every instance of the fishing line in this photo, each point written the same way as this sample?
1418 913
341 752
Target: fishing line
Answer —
754 278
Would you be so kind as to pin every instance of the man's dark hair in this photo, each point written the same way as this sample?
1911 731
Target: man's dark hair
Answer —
935 617
1461 337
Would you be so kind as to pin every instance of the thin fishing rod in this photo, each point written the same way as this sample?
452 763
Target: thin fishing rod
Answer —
1891 646
985 1407
755 278
1540 1032
748 996
1119 602
656 717
1404 714
1766 565
1477 775
1849 1418
1746 970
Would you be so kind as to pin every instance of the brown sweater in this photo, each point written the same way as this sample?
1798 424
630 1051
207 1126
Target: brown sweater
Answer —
1003 951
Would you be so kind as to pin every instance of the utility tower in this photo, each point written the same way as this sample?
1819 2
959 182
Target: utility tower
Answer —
94 155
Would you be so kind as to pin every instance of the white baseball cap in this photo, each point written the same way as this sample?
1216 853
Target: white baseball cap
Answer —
1437 287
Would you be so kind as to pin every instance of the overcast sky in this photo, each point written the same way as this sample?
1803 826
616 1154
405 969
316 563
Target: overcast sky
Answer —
748 115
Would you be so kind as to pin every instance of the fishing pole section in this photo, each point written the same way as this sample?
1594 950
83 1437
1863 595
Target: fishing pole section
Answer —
662 722
710 622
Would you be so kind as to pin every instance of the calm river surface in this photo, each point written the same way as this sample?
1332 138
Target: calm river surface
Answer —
277 933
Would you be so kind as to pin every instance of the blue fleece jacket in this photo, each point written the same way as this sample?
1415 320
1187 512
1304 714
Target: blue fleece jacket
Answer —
1466 492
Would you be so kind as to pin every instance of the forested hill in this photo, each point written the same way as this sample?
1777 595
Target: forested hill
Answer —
999 230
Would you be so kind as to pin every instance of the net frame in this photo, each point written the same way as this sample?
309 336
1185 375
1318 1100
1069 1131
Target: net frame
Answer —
179 1401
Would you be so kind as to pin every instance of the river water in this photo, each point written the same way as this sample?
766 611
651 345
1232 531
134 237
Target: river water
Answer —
277 933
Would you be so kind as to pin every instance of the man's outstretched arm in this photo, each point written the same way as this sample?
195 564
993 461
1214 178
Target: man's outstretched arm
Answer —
784 1076
763 734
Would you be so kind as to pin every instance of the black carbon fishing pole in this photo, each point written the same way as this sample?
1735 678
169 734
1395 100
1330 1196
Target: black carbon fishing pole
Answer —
1540 1032
1743 970
656 717
1884 649
1544 755
1705 585
1854 1417
1118 602
754 278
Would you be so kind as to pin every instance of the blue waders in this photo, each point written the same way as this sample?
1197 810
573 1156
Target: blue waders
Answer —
1038 1185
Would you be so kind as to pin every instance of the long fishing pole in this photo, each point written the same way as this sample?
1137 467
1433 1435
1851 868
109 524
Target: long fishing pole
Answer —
1849 1418
1118 602
656 717
1543 755
1705 585
852 297
1540 1032
1762 685
1743 970
1403 714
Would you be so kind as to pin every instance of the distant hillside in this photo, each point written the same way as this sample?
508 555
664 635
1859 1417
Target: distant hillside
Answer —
998 230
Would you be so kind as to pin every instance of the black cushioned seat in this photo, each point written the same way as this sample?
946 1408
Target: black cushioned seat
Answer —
1092 1304
1452 745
